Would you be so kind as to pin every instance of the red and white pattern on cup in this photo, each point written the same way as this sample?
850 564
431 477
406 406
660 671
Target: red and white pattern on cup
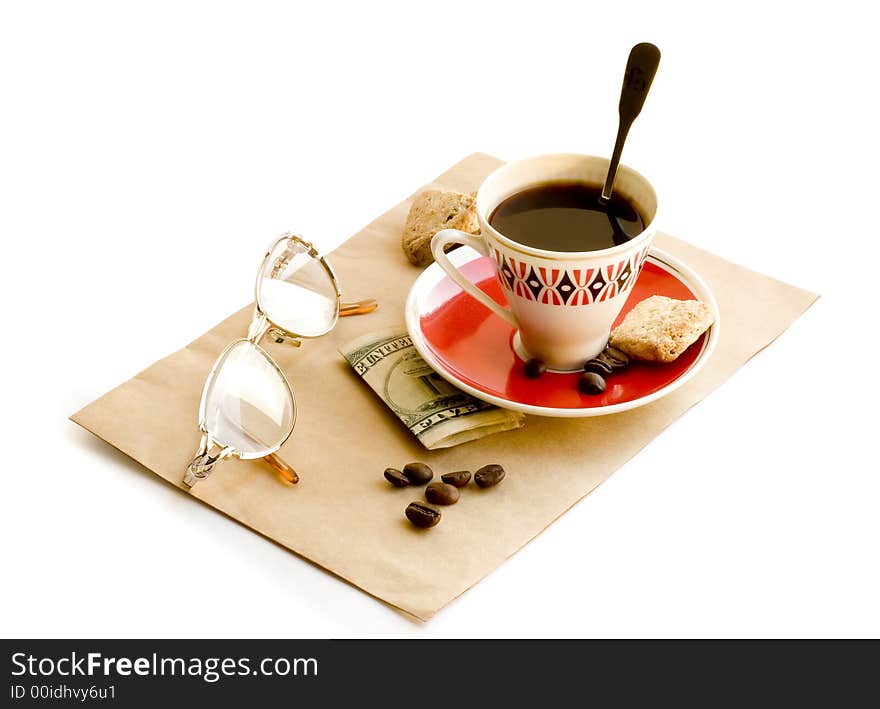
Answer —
573 286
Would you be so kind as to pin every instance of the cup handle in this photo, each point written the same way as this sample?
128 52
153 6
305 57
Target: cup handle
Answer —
454 236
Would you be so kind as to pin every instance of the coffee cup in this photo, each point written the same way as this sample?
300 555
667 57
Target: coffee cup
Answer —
562 303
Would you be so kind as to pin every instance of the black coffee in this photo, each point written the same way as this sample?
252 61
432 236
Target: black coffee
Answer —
567 216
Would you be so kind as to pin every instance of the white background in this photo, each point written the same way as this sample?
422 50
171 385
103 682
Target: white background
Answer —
149 152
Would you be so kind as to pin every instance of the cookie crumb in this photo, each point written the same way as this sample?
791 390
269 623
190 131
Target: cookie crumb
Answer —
659 329
431 211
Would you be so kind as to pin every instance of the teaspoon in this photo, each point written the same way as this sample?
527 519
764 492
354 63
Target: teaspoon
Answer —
640 69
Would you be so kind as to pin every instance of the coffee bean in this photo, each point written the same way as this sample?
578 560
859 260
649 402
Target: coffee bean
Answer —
418 473
395 477
591 383
535 368
459 478
421 515
489 475
599 367
603 359
441 494
615 357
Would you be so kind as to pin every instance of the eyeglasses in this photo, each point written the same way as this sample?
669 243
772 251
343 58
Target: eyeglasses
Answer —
247 409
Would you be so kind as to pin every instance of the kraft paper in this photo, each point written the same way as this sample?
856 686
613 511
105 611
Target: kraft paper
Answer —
343 515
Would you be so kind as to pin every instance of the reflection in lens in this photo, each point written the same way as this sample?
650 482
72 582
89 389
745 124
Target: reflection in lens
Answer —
296 291
247 402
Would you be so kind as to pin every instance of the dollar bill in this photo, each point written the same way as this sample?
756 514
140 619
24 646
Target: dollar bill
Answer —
436 412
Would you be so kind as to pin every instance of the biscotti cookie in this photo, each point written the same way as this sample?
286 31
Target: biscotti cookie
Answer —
659 329
431 211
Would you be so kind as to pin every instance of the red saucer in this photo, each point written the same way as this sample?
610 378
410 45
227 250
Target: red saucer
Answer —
473 348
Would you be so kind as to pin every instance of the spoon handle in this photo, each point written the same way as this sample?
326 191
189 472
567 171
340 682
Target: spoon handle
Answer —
640 69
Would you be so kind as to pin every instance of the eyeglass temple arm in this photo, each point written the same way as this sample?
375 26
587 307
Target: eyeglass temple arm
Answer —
283 469
358 307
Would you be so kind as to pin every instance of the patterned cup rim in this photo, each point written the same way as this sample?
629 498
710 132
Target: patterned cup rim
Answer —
488 230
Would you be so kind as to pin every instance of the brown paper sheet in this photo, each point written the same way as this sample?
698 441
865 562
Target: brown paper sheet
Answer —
343 515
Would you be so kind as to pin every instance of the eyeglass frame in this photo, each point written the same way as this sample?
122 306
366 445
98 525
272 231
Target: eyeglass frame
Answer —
202 464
